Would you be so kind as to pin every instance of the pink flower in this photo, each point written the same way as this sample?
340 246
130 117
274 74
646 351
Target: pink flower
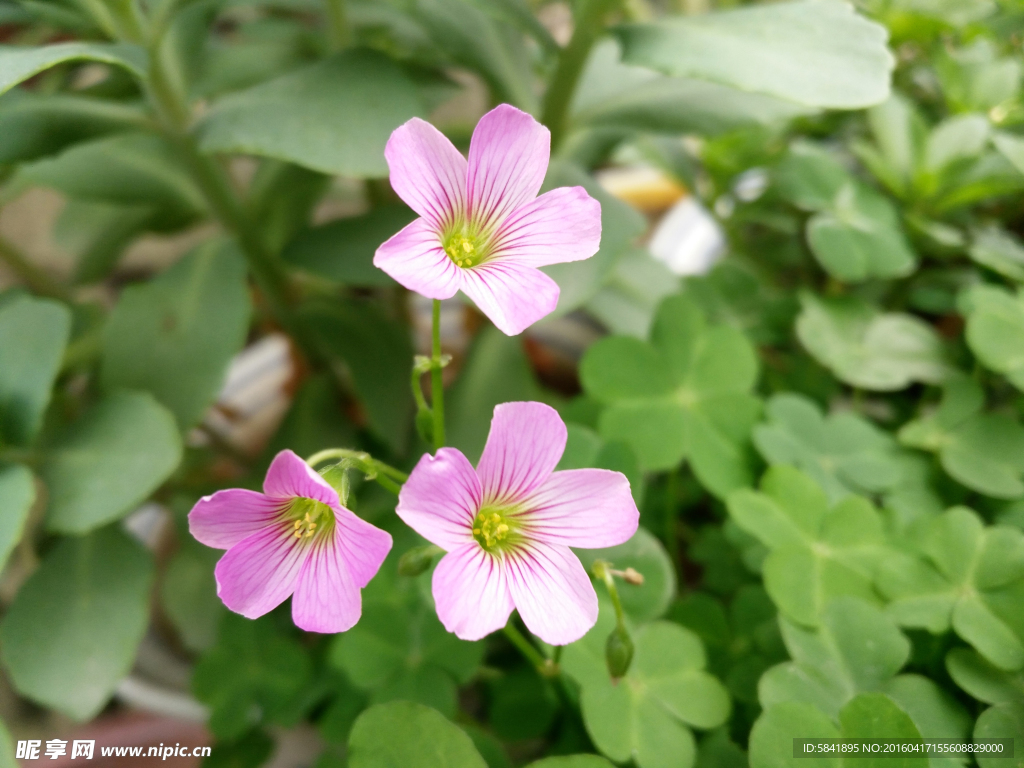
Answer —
295 537
507 527
483 230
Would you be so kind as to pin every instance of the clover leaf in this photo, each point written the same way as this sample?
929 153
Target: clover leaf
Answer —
991 685
983 451
881 351
647 715
685 394
815 552
966 576
843 453
995 330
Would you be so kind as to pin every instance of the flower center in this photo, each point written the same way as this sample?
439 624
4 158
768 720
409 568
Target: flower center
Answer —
309 518
494 529
464 250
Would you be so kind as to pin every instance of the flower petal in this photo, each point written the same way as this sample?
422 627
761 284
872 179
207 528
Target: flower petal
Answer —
290 477
471 592
363 546
259 573
326 598
552 592
589 508
427 172
225 518
440 499
561 225
414 257
524 445
512 295
508 158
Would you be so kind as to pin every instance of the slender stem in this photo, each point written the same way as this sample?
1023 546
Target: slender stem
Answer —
436 378
589 21
337 17
545 667
417 390
365 459
36 279
602 570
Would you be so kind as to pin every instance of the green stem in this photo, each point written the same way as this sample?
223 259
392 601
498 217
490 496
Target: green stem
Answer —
437 379
337 17
602 570
589 21
36 279
545 667
363 460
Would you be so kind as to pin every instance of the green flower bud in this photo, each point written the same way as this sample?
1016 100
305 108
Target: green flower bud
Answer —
618 652
425 425
417 560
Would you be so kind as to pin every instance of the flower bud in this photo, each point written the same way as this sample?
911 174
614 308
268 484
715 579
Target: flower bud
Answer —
425 425
417 560
618 652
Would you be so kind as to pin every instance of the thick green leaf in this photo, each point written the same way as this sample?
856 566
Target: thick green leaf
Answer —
127 168
402 734
175 335
33 333
816 553
19 63
821 54
686 394
97 589
17 495
869 349
843 453
995 330
343 250
616 95
962 576
377 352
647 714
983 451
334 116
106 463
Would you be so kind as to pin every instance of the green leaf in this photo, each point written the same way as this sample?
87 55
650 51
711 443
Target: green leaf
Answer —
771 738
572 761
809 176
965 576
621 225
398 643
816 553
686 394
19 63
616 95
126 168
866 348
1001 722
17 495
496 371
403 734
108 462
998 250
876 716
856 648
522 705
252 672
860 237
343 250
647 715
983 451
645 553
175 335
97 589
377 352
315 420
995 330
7 759
982 679
334 116
843 453
1012 148
35 125
97 233
189 593
816 53
33 333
